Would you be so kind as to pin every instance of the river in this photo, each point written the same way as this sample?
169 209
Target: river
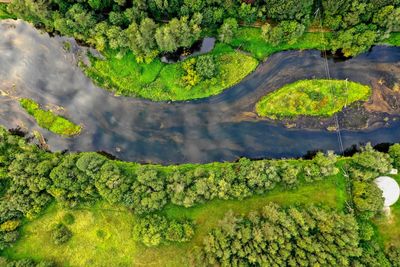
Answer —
34 65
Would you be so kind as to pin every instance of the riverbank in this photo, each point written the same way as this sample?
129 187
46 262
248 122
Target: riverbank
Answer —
157 81
220 128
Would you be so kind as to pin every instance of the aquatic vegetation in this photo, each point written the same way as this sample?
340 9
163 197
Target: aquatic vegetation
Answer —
50 121
317 97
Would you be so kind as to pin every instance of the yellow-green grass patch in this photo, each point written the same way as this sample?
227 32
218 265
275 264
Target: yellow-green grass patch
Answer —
317 97
102 236
48 120
158 81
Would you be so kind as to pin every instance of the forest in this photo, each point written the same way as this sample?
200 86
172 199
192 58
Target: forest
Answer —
32 179
63 208
148 28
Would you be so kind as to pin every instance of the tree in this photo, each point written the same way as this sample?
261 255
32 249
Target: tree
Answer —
153 230
178 33
227 30
367 198
394 152
206 67
247 13
70 184
60 234
141 40
285 32
191 77
284 237
289 10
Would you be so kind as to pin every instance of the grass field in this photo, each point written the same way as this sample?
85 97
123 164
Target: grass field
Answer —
102 233
48 120
249 39
389 227
160 82
311 98
4 13
394 39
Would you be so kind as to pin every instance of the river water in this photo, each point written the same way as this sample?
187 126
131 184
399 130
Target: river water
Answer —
219 128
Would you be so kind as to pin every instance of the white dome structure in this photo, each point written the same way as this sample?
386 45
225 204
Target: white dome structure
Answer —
390 189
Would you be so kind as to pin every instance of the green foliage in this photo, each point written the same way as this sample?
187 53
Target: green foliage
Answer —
35 176
25 263
177 33
4 14
393 254
68 219
394 152
289 10
227 30
285 32
60 234
49 120
206 67
285 236
160 82
364 168
191 77
153 230
354 40
394 39
312 98
70 185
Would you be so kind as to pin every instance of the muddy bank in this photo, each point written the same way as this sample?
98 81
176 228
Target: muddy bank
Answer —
219 128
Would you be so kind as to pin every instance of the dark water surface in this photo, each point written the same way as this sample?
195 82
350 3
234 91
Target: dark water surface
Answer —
219 128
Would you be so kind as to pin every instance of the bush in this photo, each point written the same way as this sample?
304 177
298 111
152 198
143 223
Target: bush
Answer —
205 67
283 237
153 230
68 219
60 234
394 152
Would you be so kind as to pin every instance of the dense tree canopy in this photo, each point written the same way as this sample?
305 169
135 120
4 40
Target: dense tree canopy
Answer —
284 237
31 178
151 27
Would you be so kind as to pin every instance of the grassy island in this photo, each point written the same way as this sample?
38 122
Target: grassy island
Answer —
311 98
50 121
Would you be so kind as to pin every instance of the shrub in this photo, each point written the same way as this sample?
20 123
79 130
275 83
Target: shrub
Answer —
153 230
205 67
60 234
68 219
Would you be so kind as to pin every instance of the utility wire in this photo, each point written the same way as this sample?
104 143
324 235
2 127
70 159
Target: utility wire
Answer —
349 202
328 75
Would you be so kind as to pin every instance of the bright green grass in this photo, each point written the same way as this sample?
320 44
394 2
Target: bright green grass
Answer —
160 82
312 98
249 39
102 234
389 227
394 39
4 13
48 120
